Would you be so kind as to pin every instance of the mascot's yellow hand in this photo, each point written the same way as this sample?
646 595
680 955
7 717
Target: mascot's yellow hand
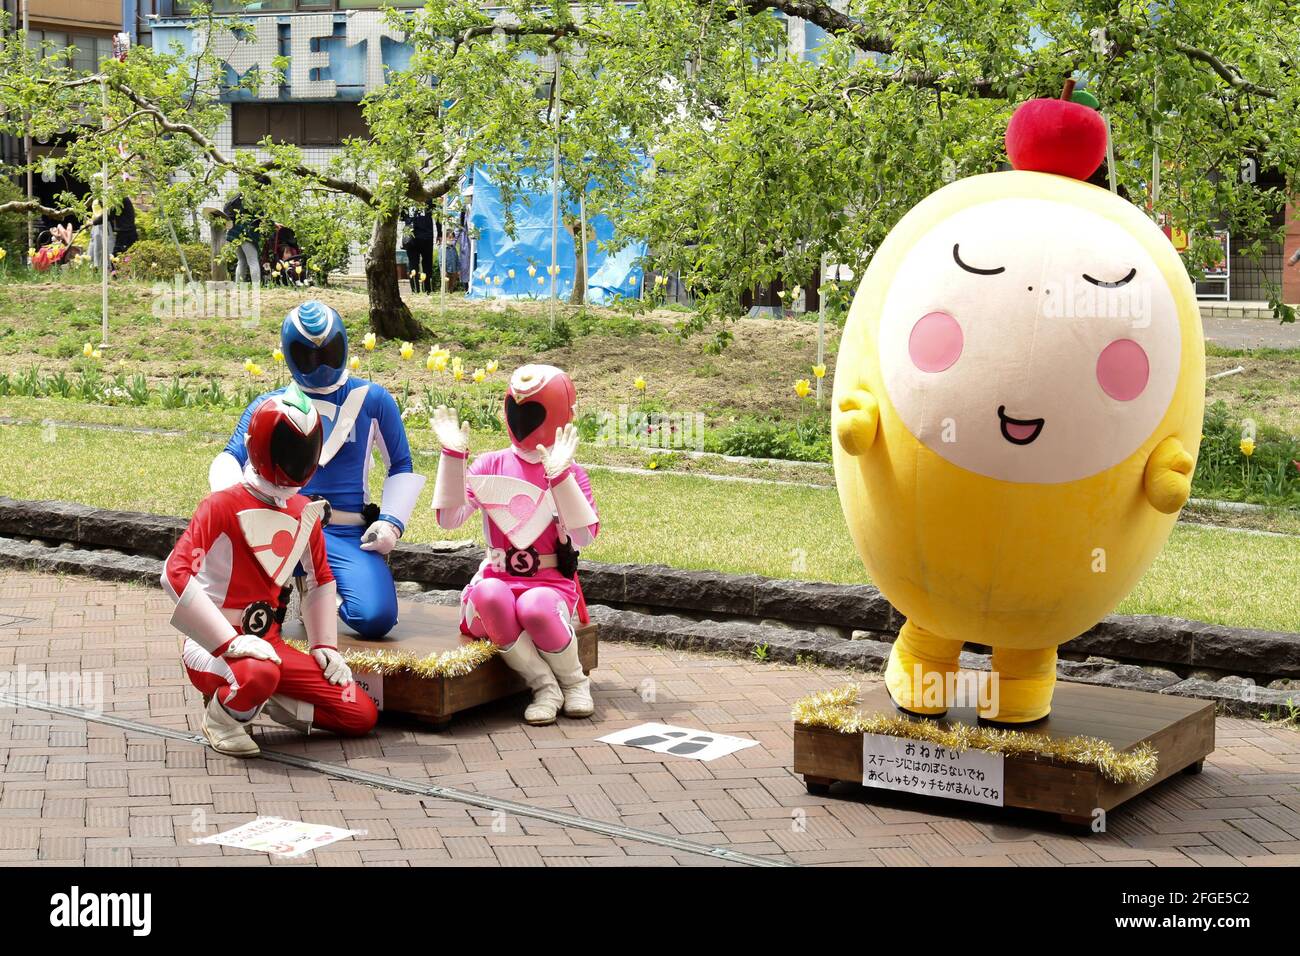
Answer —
1168 477
855 426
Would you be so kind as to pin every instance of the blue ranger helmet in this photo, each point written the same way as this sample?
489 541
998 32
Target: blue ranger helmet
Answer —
315 345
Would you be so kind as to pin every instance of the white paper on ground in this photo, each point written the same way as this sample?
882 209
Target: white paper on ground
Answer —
280 837
914 766
678 741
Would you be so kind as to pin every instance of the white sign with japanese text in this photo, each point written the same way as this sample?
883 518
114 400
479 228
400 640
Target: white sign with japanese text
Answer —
279 837
914 766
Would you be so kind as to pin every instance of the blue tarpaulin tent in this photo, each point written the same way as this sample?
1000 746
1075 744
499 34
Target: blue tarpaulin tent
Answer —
609 274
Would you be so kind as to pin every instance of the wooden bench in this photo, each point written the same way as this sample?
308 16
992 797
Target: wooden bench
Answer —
1180 729
412 684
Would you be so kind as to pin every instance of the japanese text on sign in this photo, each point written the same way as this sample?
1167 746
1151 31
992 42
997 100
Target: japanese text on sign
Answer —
914 766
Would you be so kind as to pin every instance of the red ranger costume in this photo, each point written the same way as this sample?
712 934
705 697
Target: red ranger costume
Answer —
229 575
537 511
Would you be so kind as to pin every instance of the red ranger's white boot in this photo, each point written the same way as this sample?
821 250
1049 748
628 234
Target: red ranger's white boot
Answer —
228 735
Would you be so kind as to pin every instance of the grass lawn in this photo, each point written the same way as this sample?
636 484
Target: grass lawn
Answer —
677 519
605 350
47 323
1267 391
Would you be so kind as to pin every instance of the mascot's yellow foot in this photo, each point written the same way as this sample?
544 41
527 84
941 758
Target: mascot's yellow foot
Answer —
1021 689
920 669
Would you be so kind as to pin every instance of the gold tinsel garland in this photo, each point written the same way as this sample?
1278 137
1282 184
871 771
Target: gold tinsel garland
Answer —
453 663
837 710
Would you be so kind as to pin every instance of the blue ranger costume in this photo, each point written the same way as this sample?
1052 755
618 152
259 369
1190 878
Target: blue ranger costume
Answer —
358 417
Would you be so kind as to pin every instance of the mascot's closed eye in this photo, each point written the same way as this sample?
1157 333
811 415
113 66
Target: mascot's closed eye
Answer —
1128 277
979 272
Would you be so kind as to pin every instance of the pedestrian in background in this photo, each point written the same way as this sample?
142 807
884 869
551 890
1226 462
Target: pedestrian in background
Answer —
419 247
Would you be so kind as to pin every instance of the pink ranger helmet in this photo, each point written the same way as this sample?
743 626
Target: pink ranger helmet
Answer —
540 400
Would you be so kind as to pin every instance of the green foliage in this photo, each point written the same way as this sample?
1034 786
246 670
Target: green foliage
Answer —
807 439
13 228
152 224
1269 475
154 259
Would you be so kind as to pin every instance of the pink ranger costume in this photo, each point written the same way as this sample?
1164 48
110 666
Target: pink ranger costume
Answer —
537 513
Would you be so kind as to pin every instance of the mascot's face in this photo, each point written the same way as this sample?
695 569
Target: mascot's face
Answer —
1029 340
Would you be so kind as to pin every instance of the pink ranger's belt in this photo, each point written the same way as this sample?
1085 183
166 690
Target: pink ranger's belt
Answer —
521 562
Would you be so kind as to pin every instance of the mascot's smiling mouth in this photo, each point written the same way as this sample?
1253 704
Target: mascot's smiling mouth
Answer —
1019 431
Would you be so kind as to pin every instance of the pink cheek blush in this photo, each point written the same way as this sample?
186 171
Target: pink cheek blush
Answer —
935 343
1123 370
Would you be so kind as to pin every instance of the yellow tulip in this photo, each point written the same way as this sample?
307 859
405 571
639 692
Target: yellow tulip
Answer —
96 354
406 351
1248 447
440 363
354 363
87 350
479 375
492 366
277 355
819 371
2 253
802 387
541 280
532 270
459 374
639 384
510 273
369 342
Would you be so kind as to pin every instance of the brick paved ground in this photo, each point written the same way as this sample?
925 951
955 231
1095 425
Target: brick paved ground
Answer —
84 793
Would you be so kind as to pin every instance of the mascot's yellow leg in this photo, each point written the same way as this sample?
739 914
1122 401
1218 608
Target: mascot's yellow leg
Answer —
918 671
1022 691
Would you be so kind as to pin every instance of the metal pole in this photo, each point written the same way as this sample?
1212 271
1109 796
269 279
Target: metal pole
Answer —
821 319
103 226
27 147
555 192
442 256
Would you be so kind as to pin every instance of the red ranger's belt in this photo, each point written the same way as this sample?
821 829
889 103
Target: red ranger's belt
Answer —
258 618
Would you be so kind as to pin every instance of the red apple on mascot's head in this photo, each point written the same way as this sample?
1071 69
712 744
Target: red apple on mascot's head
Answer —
1061 136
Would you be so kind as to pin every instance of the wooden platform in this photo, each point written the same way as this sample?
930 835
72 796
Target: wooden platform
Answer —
1180 729
425 629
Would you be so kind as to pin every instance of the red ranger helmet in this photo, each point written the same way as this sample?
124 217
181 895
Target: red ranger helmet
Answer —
284 439
540 400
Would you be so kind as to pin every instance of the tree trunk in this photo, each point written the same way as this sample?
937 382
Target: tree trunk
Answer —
579 294
390 317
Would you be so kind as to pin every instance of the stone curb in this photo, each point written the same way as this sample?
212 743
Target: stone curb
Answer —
742 638
835 609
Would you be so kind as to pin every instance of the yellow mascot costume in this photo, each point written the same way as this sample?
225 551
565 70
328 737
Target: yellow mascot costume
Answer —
1017 411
